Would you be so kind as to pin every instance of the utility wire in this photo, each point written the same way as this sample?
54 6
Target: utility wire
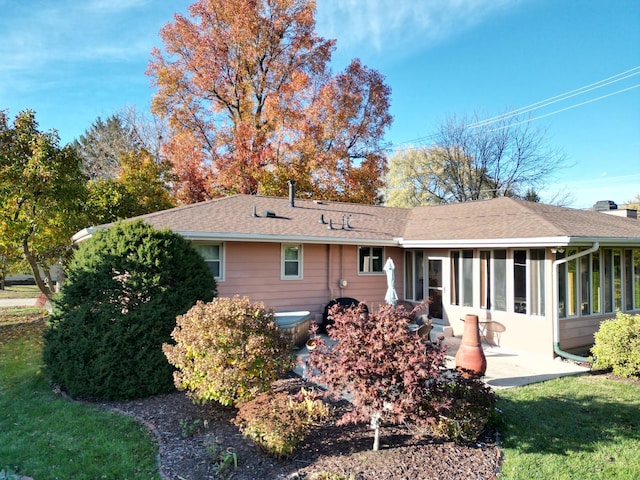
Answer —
568 108
549 101
563 96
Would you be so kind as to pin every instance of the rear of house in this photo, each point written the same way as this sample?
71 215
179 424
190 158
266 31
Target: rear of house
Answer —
541 278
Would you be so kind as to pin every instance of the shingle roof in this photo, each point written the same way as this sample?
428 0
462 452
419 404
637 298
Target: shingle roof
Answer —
500 219
234 216
505 218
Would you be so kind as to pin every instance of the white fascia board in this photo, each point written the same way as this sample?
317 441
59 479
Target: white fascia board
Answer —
488 242
249 237
84 234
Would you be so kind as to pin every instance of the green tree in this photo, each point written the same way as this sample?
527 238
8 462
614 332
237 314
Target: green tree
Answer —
118 306
42 193
140 187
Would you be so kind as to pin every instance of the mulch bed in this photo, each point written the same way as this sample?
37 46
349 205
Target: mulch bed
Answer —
186 434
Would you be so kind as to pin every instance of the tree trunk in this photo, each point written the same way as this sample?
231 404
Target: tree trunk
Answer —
46 290
375 425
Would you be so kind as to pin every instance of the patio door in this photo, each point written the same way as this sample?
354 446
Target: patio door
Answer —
436 287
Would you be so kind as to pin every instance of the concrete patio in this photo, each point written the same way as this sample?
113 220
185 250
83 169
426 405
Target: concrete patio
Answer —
505 368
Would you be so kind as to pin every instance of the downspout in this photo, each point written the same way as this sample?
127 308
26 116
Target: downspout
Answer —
556 320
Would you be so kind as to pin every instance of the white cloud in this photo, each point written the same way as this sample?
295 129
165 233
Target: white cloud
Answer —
386 26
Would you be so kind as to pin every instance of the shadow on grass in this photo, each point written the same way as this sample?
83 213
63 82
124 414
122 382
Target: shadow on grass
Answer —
568 421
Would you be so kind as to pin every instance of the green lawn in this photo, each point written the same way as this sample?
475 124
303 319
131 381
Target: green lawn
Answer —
19 291
47 437
585 427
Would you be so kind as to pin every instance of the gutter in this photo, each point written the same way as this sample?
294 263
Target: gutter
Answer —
556 320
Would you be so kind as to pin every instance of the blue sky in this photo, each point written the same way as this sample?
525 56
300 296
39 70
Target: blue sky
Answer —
73 61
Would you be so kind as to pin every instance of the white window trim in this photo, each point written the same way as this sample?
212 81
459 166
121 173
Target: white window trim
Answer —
222 258
381 272
283 276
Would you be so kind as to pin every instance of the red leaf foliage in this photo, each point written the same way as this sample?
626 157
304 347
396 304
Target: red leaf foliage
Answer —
383 367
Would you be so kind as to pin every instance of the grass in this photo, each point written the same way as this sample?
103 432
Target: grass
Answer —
585 427
46 436
19 291
15 315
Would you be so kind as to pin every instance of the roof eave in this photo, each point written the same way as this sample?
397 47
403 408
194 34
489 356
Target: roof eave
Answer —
250 237
487 242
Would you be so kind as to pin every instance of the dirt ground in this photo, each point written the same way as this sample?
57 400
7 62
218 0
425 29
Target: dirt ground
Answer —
188 433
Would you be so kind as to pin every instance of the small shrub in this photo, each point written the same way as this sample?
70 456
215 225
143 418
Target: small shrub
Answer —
617 345
278 422
124 288
467 406
227 351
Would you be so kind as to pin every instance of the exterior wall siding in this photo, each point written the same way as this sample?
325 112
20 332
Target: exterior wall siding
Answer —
253 269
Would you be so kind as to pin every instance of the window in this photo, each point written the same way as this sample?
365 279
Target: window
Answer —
462 278
603 282
568 285
537 282
291 262
628 279
595 282
636 279
370 259
414 275
485 279
493 280
520 281
500 280
212 255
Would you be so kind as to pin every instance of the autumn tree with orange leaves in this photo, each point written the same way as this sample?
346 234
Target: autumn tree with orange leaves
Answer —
251 103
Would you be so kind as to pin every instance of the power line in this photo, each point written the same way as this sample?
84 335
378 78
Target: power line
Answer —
549 101
569 107
563 96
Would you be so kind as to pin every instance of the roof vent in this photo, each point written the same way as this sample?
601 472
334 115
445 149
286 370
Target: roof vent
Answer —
322 220
270 214
292 193
604 205
255 212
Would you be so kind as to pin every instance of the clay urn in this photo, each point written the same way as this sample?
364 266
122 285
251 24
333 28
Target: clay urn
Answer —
470 358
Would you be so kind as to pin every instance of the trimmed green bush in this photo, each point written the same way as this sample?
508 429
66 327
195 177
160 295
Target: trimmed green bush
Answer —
617 345
228 351
124 288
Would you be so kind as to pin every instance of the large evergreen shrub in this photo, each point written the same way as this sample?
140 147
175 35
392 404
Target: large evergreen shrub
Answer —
124 289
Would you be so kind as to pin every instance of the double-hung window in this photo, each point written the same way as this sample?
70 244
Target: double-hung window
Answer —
213 255
291 262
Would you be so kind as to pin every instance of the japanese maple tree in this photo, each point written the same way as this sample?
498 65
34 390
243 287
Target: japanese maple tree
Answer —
251 103
387 371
